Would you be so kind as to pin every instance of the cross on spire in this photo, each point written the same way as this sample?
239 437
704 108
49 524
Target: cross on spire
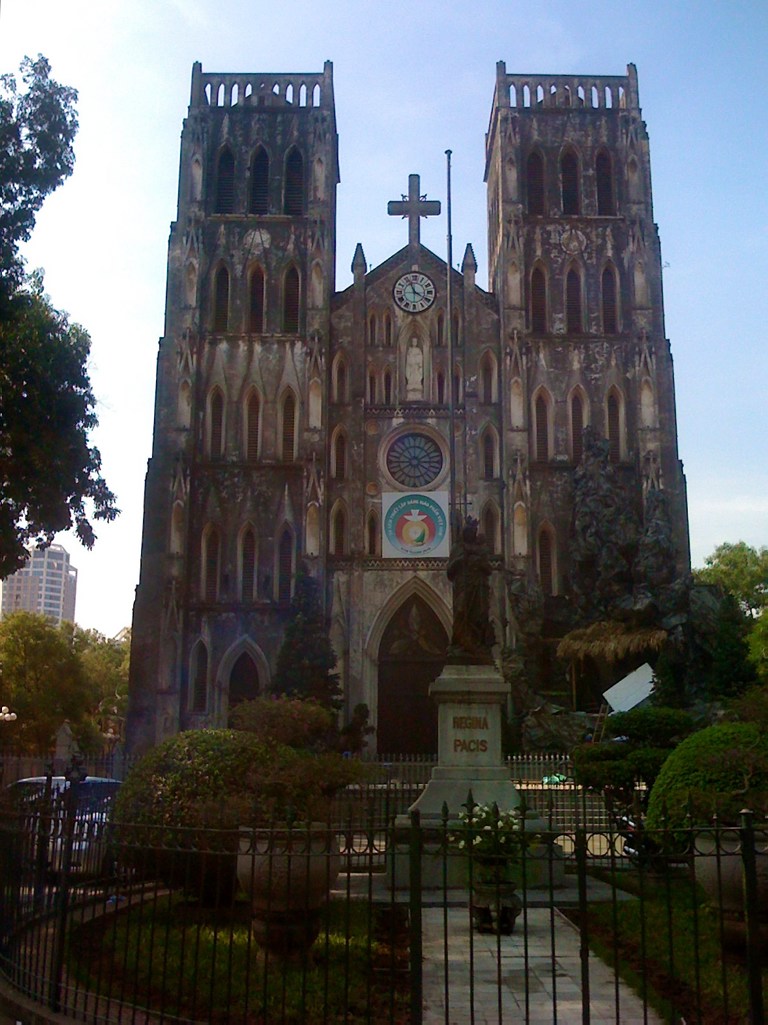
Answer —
413 206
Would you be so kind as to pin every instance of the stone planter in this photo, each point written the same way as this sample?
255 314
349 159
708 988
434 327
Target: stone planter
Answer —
721 877
287 873
495 907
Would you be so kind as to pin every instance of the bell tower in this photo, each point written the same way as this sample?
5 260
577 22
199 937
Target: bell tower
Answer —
239 441
575 264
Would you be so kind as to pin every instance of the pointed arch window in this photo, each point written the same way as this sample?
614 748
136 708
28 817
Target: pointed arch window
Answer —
340 382
340 456
387 387
259 199
372 329
538 301
573 321
248 565
456 384
289 428
606 205
293 198
541 410
371 387
546 561
610 318
440 339
613 410
225 183
577 428
440 387
387 331
339 531
535 183
216 424
285 566
486 377
489 455
291 293
491 527
199 701
256 302
372 535
210 582
569 183
221 300
252 423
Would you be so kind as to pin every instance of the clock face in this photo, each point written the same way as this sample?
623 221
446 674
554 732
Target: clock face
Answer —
414 292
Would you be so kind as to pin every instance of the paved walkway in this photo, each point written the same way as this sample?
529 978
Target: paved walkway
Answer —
538 982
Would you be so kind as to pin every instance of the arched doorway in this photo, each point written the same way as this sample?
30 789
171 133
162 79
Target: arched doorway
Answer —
411 656
244 683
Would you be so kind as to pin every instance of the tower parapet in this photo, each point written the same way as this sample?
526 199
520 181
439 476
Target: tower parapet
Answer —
262 89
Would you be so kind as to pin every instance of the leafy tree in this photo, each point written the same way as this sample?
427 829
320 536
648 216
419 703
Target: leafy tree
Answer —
306 658
740 569
732 672
37 132
104 662
758 647
50 476
42 680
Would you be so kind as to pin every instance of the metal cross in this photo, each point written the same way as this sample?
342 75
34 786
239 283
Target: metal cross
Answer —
413 206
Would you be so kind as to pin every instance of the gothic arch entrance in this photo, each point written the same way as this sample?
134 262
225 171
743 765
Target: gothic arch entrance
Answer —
411 656
244 683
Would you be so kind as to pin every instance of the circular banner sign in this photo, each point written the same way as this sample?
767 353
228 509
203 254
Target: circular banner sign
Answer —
416 526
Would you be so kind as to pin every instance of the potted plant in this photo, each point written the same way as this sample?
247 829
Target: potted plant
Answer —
495 843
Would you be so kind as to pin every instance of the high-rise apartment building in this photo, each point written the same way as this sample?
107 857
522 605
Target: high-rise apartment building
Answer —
47 585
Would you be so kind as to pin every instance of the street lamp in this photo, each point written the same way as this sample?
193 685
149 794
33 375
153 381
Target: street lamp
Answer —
6 715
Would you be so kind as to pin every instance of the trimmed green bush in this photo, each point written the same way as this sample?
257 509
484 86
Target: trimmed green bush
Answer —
297 723
720 769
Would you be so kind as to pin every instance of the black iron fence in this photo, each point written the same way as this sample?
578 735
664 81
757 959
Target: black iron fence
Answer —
378 917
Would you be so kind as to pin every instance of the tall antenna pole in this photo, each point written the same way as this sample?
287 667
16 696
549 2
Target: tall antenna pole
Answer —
455 518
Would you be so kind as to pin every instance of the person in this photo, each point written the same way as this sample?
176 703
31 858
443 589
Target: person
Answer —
469 570
414 371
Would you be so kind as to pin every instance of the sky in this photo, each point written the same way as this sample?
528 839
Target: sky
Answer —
410 81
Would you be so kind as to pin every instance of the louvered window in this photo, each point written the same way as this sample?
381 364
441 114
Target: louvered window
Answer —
542 430
606 206
535 183
256 306
614 428
217 425
289 428
211 566
252 412
339 532
200 679
291 301
489 453
546 563
573 323
538 301
221 301
577 428
285 566
610 319
293 203
260 183
569 183
248 565
340 457
225 183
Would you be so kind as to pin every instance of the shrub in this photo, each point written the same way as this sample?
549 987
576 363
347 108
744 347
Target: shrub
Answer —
651 726
720 769
282 720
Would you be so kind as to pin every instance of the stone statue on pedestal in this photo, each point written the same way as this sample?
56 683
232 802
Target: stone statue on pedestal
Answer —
469 570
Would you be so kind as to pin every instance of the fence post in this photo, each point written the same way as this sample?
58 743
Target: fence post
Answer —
415 919
580 850
752 926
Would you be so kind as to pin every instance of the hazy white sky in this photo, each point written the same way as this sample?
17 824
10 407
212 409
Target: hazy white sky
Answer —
411 80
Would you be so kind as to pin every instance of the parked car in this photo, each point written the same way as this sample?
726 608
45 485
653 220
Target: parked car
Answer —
94 797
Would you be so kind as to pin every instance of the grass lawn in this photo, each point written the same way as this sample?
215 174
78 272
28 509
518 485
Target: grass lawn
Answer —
180 959
666 943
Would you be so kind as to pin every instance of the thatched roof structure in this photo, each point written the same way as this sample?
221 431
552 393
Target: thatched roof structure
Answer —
610 641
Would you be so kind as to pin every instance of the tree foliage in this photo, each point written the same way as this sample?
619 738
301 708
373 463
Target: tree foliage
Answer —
50 475
37 132
740 569
306 658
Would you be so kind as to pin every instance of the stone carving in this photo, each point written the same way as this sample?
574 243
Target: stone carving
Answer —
469 570
414 371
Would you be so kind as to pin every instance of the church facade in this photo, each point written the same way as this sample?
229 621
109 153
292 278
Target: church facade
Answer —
297 425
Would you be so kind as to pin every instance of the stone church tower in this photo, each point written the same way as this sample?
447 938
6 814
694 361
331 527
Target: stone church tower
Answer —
296 424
